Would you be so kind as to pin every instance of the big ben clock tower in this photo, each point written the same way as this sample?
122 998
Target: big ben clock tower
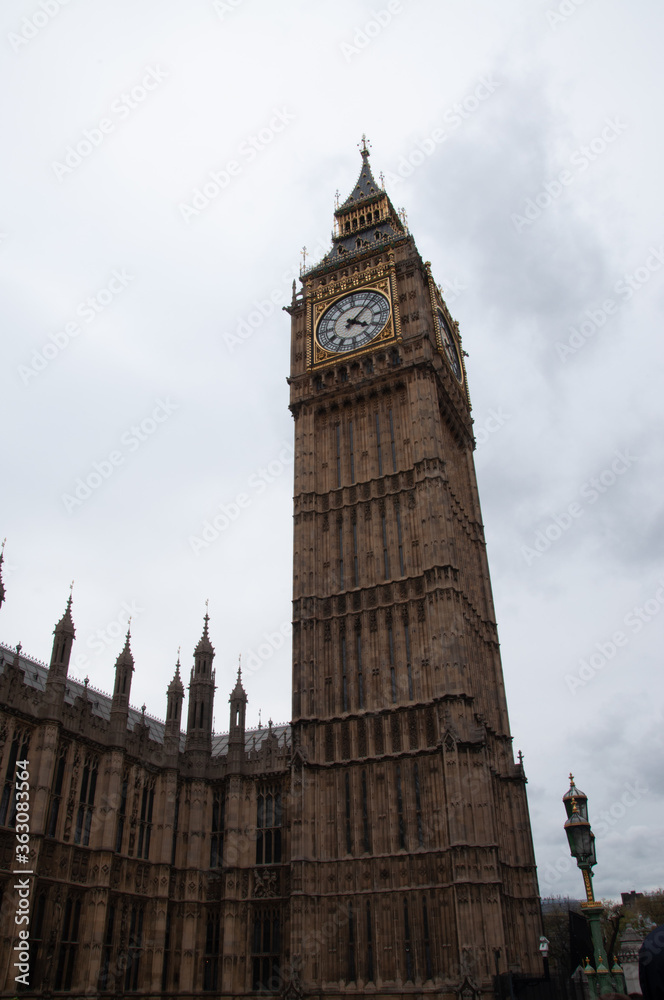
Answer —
412 865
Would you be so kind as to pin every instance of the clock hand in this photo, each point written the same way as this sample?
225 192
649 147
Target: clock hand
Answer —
358 322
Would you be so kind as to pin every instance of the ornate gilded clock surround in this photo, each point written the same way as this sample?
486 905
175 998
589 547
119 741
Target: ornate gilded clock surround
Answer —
382 278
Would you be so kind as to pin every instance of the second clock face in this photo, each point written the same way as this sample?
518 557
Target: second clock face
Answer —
353 321
449 346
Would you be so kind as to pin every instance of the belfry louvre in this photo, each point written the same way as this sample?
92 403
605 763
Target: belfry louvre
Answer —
380 843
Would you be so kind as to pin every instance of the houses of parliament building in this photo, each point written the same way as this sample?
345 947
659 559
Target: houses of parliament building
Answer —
378 845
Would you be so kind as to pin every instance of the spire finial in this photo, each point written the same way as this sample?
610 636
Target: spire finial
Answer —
571 780
239 667
365 146
337 196
260 724
177 662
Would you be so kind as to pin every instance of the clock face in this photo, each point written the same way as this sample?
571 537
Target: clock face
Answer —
449 346
353 321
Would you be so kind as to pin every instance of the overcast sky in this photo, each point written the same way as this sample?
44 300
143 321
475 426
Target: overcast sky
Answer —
145 352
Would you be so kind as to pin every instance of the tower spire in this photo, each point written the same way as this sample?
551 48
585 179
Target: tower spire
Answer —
366 220
238 703
201 693
124 668
63 640
174 699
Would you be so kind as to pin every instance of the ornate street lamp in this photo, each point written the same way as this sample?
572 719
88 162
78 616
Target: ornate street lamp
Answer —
582 847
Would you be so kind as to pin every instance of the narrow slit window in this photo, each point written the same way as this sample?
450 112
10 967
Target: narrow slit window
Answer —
338 434
360 678
400 541
408 663
400 824
356 562
392 444
352 451
378 448
393 679
344 678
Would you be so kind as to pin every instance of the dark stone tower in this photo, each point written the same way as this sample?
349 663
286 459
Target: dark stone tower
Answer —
410 834
56 680
174 699
124 668
201 695
238 703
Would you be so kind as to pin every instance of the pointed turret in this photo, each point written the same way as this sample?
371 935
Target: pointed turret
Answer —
174 699
124 668
238 703
201 694
366 219
56 679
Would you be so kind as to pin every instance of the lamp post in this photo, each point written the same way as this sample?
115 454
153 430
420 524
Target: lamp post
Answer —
544 952
582 847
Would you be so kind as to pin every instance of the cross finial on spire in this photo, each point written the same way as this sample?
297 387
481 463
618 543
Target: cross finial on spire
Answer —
260 724
337 196
571 779
239 667
365 145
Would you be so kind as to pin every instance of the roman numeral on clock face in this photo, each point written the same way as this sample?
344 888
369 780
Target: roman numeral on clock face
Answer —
353 321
